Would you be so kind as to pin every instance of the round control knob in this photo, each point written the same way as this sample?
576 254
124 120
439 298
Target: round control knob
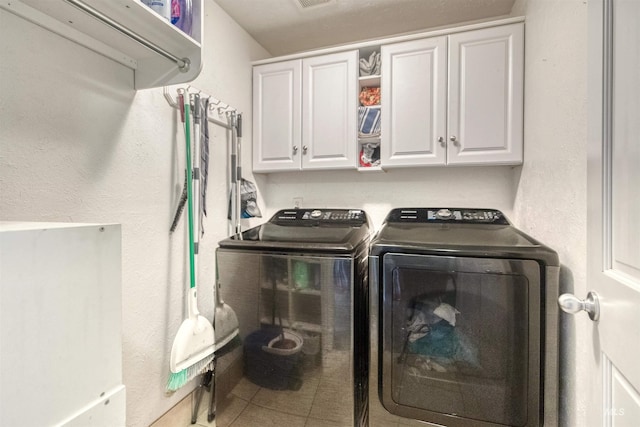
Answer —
316 213
444 214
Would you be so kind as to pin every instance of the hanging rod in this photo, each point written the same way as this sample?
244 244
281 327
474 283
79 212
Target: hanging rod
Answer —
214 104
182 63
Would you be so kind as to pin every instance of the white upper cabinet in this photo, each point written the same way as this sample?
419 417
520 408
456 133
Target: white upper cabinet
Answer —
329 127
448 97
486 72
126 31
277 119
469 112
305 114
414 102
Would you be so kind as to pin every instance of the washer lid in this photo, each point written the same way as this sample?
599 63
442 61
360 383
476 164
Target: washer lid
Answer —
328 230
444 215
475 232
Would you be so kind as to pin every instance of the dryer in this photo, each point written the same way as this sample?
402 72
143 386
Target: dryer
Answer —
464 320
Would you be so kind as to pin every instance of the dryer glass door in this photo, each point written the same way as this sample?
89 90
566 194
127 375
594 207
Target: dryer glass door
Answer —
461 339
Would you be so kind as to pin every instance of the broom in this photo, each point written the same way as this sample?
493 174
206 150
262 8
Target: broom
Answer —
194 344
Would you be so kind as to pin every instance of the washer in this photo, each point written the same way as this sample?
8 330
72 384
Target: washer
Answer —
305 270
464 320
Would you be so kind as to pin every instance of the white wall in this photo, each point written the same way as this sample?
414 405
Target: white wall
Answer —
77 143
550 199
378 192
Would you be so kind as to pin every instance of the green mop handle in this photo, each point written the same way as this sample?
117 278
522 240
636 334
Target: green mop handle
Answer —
192 266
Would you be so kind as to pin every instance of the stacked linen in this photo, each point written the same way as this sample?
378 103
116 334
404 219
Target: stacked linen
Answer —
370 67
369 96
369 121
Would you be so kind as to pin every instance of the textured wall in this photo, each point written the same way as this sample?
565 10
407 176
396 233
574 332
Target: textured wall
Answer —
77 143
378 192
551 187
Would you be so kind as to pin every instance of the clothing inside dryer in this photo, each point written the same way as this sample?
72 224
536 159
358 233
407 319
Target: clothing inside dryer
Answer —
459 343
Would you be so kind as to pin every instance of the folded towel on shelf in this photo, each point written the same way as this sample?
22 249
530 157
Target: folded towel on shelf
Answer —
369 96
370 67
369 121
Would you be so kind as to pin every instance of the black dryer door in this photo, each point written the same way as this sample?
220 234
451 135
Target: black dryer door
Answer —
460 339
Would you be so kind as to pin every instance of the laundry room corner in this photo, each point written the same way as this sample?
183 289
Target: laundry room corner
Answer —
551 191
80 144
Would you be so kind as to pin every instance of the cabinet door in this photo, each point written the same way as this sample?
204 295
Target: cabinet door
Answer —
413 102
485 122
277 116
329 128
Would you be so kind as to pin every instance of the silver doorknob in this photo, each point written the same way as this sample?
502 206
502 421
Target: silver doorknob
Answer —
453 139
441 141
295 149
304 149
571 304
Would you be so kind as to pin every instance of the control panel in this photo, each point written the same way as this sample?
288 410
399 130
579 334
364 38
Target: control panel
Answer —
305 217
443 215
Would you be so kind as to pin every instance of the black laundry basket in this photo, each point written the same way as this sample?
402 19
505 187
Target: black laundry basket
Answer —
269 370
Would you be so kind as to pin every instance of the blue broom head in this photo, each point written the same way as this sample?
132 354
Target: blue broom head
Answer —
179 379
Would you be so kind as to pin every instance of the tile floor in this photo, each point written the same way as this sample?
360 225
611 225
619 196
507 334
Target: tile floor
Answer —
322 401
251 406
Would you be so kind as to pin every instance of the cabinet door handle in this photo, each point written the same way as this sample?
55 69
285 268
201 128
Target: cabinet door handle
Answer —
454 139
304 149
441 141
295 149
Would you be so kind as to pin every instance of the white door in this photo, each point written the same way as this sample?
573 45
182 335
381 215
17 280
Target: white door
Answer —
614 212
277 105
413 102
330 100
485 105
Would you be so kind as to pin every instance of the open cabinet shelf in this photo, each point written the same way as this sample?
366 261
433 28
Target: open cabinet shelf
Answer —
365 81
150 68
369 106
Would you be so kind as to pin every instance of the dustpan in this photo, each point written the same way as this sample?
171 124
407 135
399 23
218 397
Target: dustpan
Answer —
225 320
226 325
227 339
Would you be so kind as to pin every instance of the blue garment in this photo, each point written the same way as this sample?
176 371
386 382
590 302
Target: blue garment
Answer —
369 121
446 342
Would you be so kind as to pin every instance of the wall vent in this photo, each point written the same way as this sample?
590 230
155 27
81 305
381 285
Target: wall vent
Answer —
311 3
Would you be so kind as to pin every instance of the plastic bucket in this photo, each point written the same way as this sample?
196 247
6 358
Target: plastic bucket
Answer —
269 367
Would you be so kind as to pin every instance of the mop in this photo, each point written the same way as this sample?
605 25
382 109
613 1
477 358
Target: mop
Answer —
194 344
